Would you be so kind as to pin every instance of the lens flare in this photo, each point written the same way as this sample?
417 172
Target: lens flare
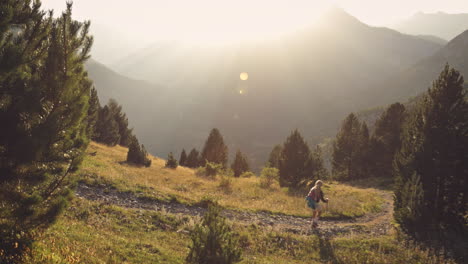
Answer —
244 76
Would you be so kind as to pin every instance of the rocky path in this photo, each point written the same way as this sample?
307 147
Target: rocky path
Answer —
372 224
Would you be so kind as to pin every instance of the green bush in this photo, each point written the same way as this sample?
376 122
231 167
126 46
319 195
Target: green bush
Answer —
200 171
212 169
226 184
213 242
247 174
207 201
227 172
268 176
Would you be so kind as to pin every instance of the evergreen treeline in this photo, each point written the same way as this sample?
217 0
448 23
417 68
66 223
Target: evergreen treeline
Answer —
425 152
44 94
109 125
357 155
112 125
431 167
214 151
386 140
350 149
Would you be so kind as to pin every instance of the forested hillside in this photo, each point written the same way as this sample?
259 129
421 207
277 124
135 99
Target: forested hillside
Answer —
308 79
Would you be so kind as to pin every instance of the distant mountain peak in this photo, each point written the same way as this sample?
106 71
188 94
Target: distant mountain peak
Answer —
338 13
337 16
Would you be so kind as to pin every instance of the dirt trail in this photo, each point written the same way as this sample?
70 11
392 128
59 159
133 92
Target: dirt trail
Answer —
372 224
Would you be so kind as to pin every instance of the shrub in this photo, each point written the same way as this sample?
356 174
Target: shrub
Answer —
207 201
227 172
171 162
213 242
200 171
247 174
268 176
212 169
226 184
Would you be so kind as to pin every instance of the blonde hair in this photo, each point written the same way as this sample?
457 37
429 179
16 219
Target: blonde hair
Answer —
318 182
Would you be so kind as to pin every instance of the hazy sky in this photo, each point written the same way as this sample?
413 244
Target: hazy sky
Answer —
172 19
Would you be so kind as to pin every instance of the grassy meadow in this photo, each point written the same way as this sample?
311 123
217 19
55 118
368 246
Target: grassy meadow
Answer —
96 232
107 166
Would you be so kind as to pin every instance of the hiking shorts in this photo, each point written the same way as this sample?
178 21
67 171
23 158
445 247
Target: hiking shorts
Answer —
312 204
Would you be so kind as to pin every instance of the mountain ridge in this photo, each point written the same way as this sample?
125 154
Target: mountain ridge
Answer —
308 80
440 24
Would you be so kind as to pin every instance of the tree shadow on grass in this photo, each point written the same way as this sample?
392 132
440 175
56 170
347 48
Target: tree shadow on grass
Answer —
326 251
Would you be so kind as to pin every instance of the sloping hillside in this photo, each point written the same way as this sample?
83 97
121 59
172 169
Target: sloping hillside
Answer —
307 80
418 78
440 24
126 214
183 185
137 97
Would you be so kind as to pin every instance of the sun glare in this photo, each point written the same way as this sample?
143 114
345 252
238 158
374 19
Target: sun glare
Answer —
244 76
223 22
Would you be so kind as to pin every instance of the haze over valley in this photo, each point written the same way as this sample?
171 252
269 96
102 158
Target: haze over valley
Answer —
307 79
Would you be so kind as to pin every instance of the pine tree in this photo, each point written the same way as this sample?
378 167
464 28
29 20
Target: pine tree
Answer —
193 159
44 94
294 162
137 153
183 158
275 156
240 164
346 149
215 150
317 168
171 161
431 167
93 113
122 122
213 241
107 128
363 159
386 140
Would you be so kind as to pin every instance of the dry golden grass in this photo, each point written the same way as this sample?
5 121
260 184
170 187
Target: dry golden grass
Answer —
95 232
243 193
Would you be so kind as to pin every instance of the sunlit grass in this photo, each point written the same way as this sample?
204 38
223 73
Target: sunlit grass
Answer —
91 232
94 232
244 193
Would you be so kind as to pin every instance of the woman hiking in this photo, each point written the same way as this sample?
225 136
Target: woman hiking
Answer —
313 198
